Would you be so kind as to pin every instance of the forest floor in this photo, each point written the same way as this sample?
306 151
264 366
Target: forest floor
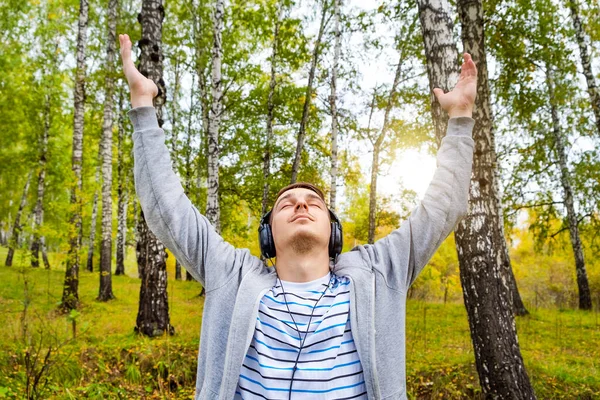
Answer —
94 352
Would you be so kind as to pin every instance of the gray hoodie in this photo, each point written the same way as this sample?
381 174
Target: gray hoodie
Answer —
235 280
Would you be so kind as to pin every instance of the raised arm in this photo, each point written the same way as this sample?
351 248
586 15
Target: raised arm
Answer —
169 213
401 255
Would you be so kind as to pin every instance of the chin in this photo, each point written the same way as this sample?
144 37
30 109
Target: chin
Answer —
304 241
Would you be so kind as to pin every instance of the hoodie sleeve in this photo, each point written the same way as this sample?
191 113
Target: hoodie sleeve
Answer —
401 256
170 214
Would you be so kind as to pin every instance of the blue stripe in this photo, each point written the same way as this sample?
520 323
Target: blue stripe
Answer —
302 369
277 329
306 305
330 327
332 347
273 348
301 390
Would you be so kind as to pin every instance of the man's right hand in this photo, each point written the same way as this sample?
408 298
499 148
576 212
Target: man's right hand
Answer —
143 90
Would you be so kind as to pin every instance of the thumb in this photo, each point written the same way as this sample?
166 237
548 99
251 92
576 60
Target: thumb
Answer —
438 93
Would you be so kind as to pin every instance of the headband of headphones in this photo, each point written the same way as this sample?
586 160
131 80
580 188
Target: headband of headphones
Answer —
267 244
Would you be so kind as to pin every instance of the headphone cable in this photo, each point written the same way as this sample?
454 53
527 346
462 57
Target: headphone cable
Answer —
298 329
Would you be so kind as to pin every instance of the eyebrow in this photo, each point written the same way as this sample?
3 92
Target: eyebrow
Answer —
309 195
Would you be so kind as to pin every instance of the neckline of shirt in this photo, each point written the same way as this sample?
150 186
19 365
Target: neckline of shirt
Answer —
317 284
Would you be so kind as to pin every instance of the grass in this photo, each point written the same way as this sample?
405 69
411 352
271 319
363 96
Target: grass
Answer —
561 348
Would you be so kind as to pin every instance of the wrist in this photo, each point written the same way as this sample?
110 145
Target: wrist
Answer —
142 101
461 112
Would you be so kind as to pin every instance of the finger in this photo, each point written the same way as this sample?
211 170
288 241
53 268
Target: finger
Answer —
128 66
125 43
468 68
438 93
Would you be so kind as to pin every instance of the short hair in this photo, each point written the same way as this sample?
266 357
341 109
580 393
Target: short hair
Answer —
302 185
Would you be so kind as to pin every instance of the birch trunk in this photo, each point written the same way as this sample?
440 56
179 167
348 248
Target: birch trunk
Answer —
585 60
585 298
94 219
308 96
441 54
187 151
486 277
105 293
203 98
213 212
122 195
378 145
70 296
333 105
270 108
473 41
38 240
16 230
174 138
478 237
153 313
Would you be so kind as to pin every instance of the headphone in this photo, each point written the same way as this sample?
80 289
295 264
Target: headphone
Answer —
267 245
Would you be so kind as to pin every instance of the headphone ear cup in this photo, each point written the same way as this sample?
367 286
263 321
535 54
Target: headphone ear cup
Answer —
336 240
265 238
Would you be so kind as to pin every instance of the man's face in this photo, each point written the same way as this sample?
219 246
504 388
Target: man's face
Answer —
300 219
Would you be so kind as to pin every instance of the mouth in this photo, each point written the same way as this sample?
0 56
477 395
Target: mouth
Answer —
299 217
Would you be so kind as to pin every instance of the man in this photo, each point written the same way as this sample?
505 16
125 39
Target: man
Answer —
308 328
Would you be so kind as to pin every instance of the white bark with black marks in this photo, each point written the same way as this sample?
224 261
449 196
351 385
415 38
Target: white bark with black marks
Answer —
333 105
94 218
153 313
585 297
122 194
213 212
379 139
483 274
16 230
441 54
70 297
105 293
38 241
270 109
308 95
585 60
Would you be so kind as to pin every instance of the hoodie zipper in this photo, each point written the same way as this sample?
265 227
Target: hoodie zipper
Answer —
375 379
253 320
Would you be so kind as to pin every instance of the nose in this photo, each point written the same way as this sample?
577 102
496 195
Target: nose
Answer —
301 205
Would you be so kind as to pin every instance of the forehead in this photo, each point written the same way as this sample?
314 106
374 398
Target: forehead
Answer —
298 193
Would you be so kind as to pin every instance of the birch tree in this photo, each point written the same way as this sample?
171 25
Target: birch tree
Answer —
105 292
70 297
122 192
270 109
585 298
378 141
586 63
16 229
153 313
213 212
488 301
93 221
39 241
499 362
309 94
333 105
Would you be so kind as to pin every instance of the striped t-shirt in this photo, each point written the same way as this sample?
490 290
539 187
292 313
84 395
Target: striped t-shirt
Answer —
328 366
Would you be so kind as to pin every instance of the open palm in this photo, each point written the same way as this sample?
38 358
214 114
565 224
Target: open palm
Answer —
143 90
459 101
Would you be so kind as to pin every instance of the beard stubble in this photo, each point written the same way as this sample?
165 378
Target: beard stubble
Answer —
304 242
